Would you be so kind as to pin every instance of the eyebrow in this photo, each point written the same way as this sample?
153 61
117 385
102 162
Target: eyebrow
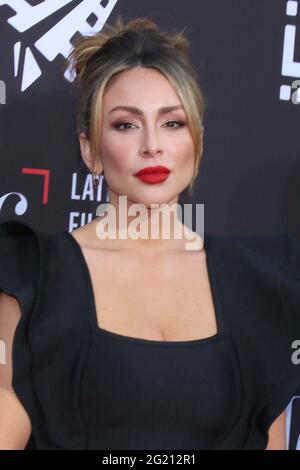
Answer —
134 110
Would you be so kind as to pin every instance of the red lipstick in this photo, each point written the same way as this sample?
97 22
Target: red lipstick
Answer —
153 174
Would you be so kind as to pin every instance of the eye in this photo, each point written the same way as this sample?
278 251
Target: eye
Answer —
180 124
124 123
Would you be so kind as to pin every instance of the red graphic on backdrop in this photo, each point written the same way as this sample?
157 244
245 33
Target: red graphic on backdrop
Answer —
45 174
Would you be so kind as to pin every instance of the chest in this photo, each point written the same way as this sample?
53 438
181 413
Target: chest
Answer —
168 298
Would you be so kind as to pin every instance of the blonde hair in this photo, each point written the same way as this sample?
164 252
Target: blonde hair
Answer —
114 49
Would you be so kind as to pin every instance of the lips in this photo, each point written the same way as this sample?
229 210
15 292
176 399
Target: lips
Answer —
153 169
153 174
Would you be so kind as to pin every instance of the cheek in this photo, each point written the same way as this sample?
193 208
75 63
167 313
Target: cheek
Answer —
185 151
116 156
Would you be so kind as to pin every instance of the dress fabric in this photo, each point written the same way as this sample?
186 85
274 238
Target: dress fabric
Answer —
84 387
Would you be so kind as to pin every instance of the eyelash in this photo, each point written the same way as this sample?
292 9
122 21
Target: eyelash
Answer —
117 126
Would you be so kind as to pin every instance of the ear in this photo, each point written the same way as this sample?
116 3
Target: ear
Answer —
85 149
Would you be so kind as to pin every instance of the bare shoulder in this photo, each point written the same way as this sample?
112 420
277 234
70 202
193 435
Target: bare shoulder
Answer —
86 236
14 417
10 314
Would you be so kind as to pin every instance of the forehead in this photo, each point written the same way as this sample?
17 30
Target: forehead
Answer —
141 87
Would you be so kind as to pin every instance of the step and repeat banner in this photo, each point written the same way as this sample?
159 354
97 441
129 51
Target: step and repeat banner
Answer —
247 56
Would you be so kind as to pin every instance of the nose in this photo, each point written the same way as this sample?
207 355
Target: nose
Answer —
150 145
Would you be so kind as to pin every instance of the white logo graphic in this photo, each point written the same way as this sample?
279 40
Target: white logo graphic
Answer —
2 92
20 207
290 67
57 39
288 423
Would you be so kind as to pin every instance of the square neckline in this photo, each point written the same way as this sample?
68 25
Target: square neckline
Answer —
210 267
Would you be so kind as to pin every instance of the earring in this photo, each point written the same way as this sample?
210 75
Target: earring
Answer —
96 179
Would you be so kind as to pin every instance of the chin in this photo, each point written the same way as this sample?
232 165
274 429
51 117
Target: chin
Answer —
157 197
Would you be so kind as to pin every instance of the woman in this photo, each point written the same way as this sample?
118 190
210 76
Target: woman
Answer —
140 343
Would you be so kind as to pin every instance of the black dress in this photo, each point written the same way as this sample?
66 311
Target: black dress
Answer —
84 387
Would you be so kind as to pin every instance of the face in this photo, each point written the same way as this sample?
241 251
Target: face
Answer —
134 139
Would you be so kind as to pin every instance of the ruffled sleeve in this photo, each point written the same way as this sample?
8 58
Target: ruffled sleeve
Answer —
19 277
289 384
52 339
